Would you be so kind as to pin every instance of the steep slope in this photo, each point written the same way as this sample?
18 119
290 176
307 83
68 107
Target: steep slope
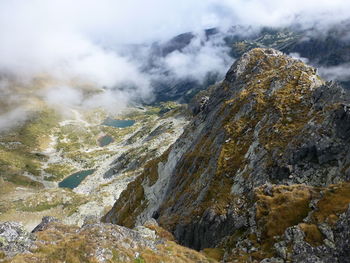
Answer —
256 162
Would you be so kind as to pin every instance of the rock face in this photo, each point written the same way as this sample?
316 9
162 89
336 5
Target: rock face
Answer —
260 171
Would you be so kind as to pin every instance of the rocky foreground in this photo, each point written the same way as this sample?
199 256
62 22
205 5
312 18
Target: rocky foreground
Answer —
259 175
52 241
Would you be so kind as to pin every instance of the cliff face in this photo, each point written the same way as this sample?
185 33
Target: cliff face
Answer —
259 170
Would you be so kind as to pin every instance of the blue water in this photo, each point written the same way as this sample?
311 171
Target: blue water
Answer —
75 179
118 123
105 140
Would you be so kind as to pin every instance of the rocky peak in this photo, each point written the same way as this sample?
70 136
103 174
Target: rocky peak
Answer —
272 121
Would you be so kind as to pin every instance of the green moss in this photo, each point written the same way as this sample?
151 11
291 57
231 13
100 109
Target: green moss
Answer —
47 199
19 161
87 159
139 260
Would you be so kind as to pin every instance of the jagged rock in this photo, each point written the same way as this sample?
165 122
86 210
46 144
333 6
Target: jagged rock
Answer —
342 237
96 242
89 220
45 221
14 239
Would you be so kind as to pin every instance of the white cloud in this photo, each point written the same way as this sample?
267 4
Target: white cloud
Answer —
340 72
83 39
12 118
297 56
63 96
199 58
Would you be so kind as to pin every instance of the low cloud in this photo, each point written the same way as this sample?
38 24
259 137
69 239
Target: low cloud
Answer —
12 118
84 42
199 58
203 55
297 56
340 72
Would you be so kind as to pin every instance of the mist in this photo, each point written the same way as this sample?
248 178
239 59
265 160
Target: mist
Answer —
339 73
76 47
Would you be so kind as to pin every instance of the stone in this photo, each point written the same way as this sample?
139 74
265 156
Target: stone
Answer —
14 239
45 221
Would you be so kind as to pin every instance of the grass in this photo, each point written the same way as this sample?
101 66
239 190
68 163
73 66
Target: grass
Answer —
287 206
335 201
59 171
47 199
38 129
214 253
312 234
30 137
21 180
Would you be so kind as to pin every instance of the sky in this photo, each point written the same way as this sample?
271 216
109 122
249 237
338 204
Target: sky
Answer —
82 40
44 35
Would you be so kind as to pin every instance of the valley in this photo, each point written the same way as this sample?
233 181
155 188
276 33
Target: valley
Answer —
72 175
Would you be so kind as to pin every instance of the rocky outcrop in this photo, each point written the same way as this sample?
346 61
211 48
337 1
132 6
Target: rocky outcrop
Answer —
273 136
14 239
53 241
45 223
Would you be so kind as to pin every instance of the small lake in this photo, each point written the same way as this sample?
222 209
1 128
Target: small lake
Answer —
105 140
75 179
118 123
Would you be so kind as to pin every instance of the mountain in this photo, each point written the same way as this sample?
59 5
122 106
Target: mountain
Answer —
254 169
260 172
323 49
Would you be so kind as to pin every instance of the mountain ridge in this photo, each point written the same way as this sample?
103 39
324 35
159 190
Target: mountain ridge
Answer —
272 121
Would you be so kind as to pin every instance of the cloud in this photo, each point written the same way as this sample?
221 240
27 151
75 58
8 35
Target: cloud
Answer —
12 118
340 72
63 96
200 57
285 12
297 56
83 41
